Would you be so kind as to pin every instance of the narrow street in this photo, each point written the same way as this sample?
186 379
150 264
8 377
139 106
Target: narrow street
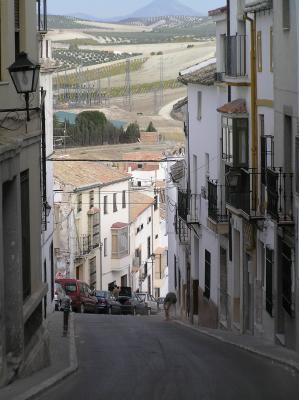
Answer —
142 357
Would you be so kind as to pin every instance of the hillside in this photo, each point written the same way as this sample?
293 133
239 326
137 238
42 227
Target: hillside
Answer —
158 8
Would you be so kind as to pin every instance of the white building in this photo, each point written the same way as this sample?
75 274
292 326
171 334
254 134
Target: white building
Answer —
92 223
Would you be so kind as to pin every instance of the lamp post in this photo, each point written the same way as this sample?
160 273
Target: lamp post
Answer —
25 76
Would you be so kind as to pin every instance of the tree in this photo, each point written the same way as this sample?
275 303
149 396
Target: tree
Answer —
151 127
132 134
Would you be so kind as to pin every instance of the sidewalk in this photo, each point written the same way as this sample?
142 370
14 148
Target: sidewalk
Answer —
63 363
258 346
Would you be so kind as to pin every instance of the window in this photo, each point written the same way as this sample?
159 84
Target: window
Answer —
105 247
139 166
94 229
199 105
93 272
149 220
105 204
124 199
120 242
259 51
79 202
271 49
114 202
286 14
207 291
155 203
267 153
25 231
269 281
17 27
139 183
91 199
148 247
235 141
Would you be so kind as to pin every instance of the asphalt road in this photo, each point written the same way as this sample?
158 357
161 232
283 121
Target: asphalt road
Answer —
146 358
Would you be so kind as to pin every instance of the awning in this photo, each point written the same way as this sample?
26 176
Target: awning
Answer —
235 107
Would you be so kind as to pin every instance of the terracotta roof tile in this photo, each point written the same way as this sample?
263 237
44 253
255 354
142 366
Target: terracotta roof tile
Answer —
139 202
80 174
217 11
203 76
235 107
144 155
119 225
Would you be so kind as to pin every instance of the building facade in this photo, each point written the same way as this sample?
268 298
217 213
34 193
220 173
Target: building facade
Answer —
240 258
23 335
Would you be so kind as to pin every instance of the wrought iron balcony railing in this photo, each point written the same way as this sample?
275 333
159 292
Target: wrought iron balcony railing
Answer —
242 190
235 55
183 204
280 195
182 229
85 244
42 23
217 206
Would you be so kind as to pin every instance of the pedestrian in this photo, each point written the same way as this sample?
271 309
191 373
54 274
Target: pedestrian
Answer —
169 302
116 291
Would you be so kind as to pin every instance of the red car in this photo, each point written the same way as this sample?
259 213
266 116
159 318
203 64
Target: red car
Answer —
82 298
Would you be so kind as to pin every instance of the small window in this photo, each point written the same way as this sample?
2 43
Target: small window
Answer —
114 202
105 247
259 52
271 49
91 199
286 14
105 204
149 220
139 166
79 202
17 26
141 227
207 291
199 105
155 203
124 199
139 183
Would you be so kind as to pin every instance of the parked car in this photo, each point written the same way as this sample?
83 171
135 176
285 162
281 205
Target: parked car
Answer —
150 302
81 296
107 303
60 297
132 305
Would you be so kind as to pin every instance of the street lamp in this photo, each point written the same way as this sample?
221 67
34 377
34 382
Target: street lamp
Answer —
25 75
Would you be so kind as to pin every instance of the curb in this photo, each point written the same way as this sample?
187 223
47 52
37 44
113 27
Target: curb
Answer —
286 363
47 384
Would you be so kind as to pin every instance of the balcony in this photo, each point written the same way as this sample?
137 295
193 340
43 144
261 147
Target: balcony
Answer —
183 204
241 193
85 244
182 230
41 8
216 197
280 195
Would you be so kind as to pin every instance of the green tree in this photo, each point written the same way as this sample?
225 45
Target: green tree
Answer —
151 127
132 134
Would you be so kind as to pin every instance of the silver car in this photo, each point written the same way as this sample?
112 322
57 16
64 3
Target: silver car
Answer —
150 302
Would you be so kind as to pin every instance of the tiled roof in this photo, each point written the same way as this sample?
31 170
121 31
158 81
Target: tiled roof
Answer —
202 74
260 5
138 203
119 225
235 107
79 174
217 11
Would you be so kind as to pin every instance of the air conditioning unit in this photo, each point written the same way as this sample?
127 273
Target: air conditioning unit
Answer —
203 192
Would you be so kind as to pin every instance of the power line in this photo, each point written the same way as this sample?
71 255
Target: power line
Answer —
164 160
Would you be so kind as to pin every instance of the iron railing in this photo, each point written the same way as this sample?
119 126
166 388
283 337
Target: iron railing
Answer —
216 198
235 55
183 204
280 194
182 229
242 190
85 244
42 23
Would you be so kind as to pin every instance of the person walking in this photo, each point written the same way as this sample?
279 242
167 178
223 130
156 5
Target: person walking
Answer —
169 302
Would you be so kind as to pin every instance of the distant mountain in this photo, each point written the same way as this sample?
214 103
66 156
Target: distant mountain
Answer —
160 8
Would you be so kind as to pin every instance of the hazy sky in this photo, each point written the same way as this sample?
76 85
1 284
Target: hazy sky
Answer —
111 8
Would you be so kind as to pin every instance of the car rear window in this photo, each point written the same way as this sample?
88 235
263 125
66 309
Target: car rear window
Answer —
70 287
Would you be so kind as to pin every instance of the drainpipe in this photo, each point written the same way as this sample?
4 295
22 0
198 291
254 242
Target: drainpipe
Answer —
253 88
229 89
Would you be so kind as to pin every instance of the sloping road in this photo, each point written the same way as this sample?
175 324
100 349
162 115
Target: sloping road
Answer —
146 358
